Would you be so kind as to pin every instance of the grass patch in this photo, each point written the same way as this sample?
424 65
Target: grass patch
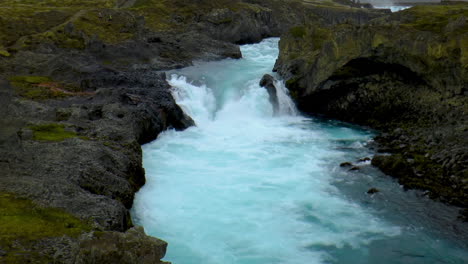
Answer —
297 32
435 18
110 26
23 223
42 88
25 23
22 20
51 132
4 53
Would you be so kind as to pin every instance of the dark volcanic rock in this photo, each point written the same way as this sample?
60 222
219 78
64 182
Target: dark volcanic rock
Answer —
133 246
346 164
268 82
95 174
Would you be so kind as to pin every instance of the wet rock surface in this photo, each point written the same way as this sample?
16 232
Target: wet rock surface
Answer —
133 246
268 82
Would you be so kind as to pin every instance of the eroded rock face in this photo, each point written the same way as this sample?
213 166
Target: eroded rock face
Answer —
133 246
95 173
405 74
82 153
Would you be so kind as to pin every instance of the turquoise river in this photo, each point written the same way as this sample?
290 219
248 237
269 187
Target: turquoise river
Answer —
245 186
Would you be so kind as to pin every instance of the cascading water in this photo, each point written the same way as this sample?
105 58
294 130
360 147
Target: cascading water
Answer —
246 187
393 8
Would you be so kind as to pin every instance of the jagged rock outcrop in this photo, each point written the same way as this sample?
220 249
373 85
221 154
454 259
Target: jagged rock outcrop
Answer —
82 153
405 74
268 82
133 246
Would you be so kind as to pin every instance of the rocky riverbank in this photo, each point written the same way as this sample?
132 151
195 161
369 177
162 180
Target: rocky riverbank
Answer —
81 89
405 74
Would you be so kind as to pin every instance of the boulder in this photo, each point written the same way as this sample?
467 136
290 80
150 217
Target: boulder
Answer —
131 247
268 82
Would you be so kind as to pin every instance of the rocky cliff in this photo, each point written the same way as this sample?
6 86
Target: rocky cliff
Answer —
405 74
81 89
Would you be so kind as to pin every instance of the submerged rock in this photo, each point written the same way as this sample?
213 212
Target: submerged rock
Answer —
366 159
373 190
346 164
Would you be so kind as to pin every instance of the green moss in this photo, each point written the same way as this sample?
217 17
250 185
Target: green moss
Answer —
297 32
293 87
436 18
318 37
292 82
61 39
51 132
30 79
25 24
41 87
17 21
4 53
31 87
23 223
32 19
159 14
109 26
378 40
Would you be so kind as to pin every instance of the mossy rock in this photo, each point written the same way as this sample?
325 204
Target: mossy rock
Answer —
41 87
51 132
23 224
4 53
437 18
298 31
110 26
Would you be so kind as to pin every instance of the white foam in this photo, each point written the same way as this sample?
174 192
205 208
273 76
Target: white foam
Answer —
393 8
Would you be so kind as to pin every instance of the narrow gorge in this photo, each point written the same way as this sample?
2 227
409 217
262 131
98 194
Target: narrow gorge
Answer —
248 186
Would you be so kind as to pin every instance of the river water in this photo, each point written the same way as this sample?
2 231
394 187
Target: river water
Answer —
244 186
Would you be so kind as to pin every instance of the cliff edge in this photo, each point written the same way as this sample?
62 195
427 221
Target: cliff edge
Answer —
405 74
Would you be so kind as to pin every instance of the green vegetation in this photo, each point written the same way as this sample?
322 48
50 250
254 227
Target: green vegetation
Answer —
436 18
51 132
159 14
41 87
24 24
297 32
110 26
23 223
319 36
4 53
